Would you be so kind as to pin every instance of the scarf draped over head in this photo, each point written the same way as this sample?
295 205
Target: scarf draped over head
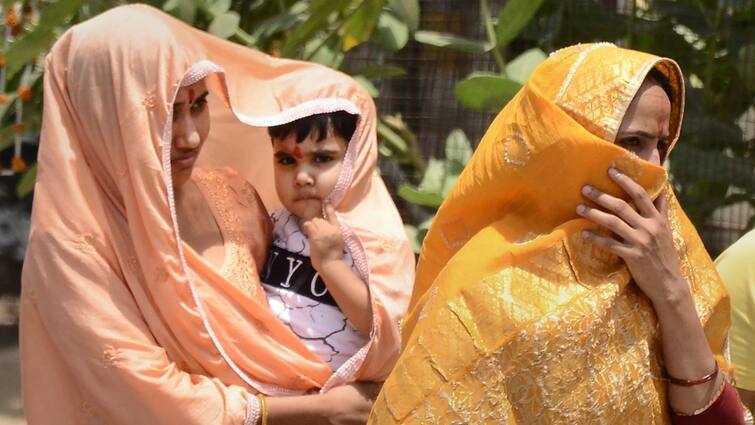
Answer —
121 322
515 319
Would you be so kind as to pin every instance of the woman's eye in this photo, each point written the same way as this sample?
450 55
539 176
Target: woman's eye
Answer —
630 143
199 105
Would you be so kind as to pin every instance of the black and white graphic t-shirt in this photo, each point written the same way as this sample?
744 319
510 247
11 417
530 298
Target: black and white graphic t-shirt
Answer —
299 298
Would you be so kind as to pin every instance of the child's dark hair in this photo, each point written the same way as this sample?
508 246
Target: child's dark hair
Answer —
342 123
659 77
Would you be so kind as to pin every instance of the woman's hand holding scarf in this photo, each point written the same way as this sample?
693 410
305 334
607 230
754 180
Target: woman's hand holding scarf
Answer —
643 239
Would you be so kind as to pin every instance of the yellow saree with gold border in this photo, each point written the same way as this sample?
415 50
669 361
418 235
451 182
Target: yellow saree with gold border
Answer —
514 318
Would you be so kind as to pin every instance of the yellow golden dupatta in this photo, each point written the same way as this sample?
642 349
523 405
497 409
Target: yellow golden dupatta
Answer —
514 319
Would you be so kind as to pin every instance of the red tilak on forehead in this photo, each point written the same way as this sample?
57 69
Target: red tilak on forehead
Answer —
297 152
191 96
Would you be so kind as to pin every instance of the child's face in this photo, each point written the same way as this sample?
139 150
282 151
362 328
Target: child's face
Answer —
306 172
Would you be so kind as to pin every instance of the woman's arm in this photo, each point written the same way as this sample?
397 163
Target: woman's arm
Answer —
87 350
85 345
346 405
642 238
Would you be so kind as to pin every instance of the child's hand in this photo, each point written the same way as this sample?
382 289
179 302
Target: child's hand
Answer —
325 239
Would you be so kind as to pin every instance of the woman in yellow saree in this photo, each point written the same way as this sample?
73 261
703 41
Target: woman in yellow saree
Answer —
523 312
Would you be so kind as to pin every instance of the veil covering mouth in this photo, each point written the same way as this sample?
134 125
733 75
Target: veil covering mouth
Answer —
515 318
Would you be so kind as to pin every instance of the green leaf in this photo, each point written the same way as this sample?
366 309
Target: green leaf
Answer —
513 18
434 177
319 12
425 225
744 64
385 151
185 10
358 28
218 7
448 183
367 85
41 37
412 233
380 71
486 92
458 148
391 33
407 10
325 52
450 41
26 185
225 25
417 197
522 66
273 25
416 234
7 137
391 139
4 108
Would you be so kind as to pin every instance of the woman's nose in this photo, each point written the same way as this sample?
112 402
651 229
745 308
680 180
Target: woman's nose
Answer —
185 134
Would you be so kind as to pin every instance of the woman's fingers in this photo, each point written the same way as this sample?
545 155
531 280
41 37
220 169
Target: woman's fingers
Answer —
609 221
614 205
661 203
636 192
609 244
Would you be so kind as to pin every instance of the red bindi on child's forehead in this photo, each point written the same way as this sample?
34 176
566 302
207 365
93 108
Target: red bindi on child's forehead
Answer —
297 152
191 96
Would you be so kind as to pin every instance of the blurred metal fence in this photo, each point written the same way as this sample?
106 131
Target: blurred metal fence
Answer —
425 95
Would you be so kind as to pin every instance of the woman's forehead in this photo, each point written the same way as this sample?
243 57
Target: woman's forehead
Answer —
650 111
191 91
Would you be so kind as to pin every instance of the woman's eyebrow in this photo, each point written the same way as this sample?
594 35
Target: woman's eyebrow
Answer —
641 133
200 97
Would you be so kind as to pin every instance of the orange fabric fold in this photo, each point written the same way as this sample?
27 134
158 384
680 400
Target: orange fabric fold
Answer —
515 319
121 322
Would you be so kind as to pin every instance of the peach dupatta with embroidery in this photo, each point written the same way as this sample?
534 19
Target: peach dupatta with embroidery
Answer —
514 318
121 323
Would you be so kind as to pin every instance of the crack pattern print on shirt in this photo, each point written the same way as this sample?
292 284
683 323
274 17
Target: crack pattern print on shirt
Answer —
299 298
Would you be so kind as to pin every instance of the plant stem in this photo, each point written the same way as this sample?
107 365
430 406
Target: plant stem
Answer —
488 20
708 93
632 16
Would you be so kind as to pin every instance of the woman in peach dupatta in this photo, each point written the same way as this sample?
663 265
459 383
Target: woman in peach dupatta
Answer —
122 322
524 312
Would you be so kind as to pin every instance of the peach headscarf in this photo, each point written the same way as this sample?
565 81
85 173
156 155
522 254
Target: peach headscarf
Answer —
121 323
515 319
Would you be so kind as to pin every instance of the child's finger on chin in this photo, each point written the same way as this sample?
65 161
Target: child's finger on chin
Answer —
330 214
308 227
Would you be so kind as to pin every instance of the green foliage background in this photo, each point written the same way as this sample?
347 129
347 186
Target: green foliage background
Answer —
713 40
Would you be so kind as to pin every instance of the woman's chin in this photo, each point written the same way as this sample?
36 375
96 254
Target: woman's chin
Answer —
180 177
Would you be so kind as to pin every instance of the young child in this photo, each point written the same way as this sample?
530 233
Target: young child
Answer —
310 279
